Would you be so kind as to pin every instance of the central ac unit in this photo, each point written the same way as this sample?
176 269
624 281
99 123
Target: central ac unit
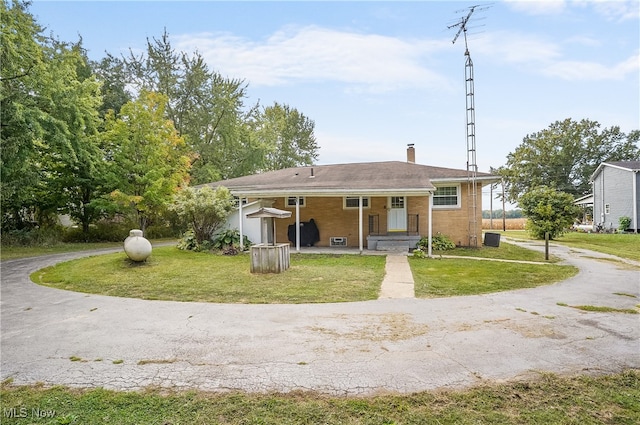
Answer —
338 241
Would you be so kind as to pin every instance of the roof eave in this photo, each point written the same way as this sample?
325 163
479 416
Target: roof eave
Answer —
484 179
266 193
606 164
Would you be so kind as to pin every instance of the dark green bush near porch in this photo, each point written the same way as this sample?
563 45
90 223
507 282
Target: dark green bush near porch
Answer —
439 242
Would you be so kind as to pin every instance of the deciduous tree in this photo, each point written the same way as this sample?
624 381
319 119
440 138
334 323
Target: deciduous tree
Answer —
564 156
229 137
76 173
22 118
207 109
548 211
286 137
49 124
148 159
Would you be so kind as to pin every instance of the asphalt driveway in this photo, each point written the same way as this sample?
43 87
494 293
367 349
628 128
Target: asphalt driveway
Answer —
390 345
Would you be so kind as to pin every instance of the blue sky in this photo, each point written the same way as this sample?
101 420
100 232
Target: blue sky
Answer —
375 76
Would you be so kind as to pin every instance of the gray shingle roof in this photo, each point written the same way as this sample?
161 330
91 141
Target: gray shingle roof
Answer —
627 165
631 165
356 178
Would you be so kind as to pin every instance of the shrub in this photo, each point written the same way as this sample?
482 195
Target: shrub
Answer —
39 236
624 223
229 241
160 231
204 210
189 242
104 231
439 242
419 253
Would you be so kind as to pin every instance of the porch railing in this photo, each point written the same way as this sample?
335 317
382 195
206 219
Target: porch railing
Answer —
374 224
413 224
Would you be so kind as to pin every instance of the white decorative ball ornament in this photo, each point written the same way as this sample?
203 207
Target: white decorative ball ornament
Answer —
136 246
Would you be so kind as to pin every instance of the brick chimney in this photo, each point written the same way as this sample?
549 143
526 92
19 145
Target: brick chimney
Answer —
411 154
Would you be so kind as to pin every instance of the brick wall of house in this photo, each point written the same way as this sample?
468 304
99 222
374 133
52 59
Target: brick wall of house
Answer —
333 219
454 222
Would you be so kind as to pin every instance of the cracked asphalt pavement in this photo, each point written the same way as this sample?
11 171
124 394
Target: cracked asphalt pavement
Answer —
389 345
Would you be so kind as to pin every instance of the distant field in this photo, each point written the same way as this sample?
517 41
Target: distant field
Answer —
511 223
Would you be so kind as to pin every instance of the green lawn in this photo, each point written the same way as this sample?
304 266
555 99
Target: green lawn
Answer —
625 245
550 399
172 274
445 277
505 251
451 276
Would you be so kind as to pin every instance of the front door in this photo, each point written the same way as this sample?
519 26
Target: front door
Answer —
397 214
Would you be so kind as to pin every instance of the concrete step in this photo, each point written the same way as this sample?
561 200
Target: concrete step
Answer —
395 246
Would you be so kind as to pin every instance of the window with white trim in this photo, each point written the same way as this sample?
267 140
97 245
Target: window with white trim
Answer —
397 202
447 197
291 201
607 209
354 202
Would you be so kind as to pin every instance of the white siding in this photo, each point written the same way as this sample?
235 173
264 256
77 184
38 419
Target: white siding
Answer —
250 226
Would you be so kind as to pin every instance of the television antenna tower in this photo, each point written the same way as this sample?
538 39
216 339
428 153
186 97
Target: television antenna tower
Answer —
472 166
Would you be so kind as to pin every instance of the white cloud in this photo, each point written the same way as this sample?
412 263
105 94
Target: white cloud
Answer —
372 63
538 7
517 48
592 71
585 41
548 58
618 10
345 149
615 10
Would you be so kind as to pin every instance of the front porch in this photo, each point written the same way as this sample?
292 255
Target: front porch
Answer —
393 241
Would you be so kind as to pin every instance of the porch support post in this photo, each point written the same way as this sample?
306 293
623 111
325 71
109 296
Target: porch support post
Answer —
297 224
360 232
240 220
429 250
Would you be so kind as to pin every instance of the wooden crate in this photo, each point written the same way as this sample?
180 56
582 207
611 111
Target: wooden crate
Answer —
269 258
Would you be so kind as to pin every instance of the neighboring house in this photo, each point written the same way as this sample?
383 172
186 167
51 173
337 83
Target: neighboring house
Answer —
383 205
616 193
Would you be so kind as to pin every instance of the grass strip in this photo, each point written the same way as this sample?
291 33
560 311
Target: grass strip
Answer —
550 399
623 245
601 309
448 277
505 251
172 274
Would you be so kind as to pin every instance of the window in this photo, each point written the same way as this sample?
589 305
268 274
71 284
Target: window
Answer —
236 201
397 202
354 202
446 196
607 209
291 201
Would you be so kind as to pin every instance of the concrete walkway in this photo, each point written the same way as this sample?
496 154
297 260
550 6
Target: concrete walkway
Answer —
398 279
389 345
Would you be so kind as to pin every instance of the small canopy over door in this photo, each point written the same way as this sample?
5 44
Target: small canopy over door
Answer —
268 225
